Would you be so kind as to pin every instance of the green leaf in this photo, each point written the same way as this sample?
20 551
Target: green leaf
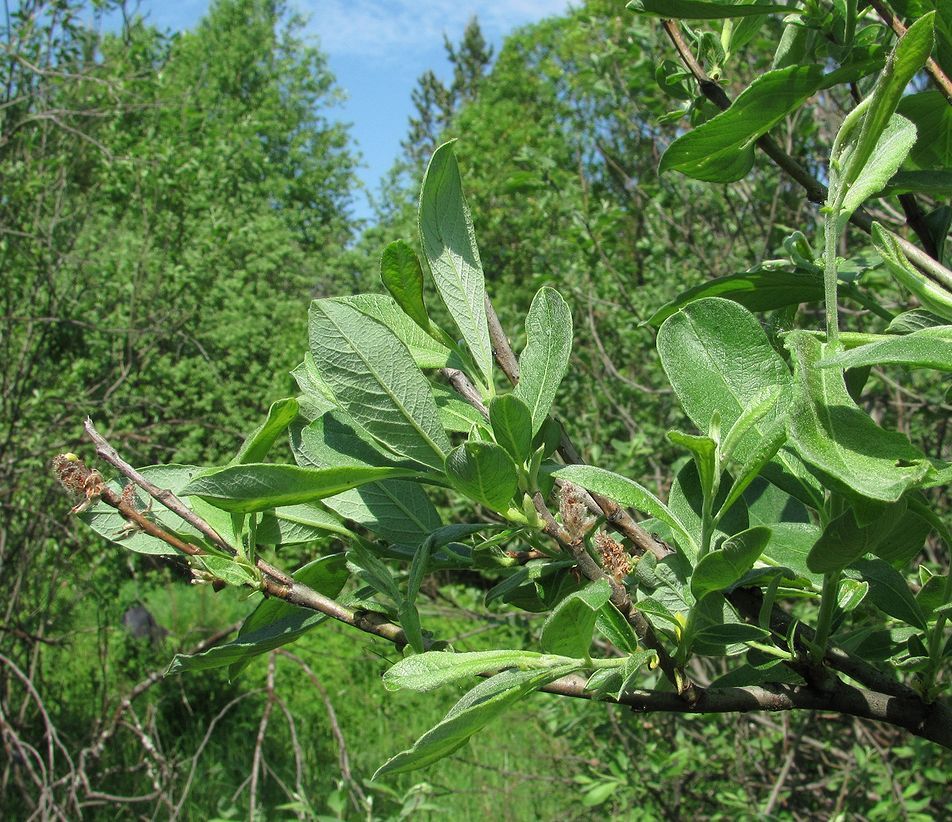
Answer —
750 469
835 436
686 501
932 116
936 182
512 426
704 452
376 381
109 523
722 149
256 447
659 611
759 406
863 127
627 492
615 628
891 149
409 615
932 295
889 592
455 414
374 571
925 348
244 489
569 628
232 571
316 396
943 35
698 10
294 524
402 275
418 567
532 571
913 320
741 33
545 359
433 669
272 624
790 545
426 351
932 595
902 538
717 357
336 440
722 567
633 665
757 290
484 472
449 243
730 633
842 542
409 619
397 511
850 594
472 713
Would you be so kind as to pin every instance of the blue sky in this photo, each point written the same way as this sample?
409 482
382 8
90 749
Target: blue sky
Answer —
377 49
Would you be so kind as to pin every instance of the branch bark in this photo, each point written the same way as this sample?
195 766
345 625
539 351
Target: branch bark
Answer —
929 721
816 192
932 722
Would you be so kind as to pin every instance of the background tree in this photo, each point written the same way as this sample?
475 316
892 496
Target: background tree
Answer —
437 103
163 202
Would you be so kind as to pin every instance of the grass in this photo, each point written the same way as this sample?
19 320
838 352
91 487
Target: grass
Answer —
549 759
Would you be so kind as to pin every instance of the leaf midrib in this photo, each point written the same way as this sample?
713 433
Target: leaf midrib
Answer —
470 309
403 411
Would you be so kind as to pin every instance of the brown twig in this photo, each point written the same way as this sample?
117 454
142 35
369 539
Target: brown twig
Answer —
343 760
621 599
615 515
291 591
465 389
939 77
106 452
932 722
502 350
258 756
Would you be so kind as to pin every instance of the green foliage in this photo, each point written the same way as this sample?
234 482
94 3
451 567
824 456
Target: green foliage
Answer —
797 537
271 624
546 356
449 243
722 149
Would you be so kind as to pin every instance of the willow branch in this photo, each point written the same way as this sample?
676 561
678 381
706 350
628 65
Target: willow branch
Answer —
502 351
748 601
620 598
162 495
939 77
616 516
816 192
465 389
76 477
932 722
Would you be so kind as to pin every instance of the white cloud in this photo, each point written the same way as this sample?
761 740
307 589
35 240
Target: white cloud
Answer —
381 30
